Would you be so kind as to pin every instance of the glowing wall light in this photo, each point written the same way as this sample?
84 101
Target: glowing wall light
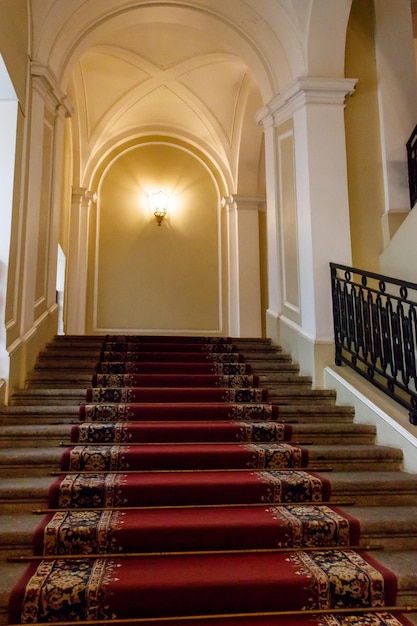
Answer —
159 205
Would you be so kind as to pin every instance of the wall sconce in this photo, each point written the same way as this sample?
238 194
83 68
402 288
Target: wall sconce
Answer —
159 205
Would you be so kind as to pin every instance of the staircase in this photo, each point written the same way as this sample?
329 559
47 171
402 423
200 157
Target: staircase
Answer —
367 478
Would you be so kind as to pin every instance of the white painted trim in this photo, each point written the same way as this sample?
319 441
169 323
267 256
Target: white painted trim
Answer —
389 418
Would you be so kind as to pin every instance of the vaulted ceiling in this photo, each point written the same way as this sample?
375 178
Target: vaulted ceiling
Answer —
196 71
162 79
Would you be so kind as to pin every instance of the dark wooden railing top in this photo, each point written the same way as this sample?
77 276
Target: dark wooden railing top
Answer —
375 328
411 146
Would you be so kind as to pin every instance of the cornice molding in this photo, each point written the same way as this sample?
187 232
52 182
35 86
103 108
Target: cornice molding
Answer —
45 83
244 203
301 93
83 196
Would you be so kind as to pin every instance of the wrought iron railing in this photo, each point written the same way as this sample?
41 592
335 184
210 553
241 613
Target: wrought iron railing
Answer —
412 166
375 329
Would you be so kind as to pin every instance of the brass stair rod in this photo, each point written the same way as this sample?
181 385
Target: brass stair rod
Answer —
165 553
295 612
220 505
101 444
190 471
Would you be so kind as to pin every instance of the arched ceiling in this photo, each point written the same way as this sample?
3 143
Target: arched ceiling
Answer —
195 70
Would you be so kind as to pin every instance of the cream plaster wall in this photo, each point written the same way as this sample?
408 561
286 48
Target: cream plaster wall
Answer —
148 278
399 259
362 140
14 43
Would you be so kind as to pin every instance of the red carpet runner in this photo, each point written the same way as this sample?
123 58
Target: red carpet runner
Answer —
183 498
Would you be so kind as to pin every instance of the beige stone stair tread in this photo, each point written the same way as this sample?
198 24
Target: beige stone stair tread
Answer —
358 451
47 410
378 520
23 494
18 529
39 455
370 487
10 574
283 377
56 391
316 453
403 563
27 431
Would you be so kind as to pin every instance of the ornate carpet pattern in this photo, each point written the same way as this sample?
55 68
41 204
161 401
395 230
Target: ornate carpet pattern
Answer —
102 532
121 412
171 357
103 588
183 488
175 394
136 367
183 496
176 380
177 456
132 432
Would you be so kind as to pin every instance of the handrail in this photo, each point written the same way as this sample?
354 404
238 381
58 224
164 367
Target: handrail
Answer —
375 330
411 146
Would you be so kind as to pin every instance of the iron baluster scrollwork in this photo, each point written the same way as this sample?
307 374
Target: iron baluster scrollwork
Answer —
375 330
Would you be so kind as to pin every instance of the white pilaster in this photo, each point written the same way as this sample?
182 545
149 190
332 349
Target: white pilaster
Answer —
265 118
233 267
76 290
244 265
47 100
316 108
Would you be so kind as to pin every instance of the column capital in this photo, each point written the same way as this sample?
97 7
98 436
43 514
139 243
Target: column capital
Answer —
302 92
46 84
245 203
82 196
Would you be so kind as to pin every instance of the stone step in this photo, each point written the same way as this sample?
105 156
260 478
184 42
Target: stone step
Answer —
403 563
71 354
394 528
53 434
24 494
355 457
33 461
272 380
10 574
29 414
333 433
265 368
266 357
371 488
58 414
34 435
59 379
38 461
51 362
53 396
299 395
276 394
300 413
362 488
